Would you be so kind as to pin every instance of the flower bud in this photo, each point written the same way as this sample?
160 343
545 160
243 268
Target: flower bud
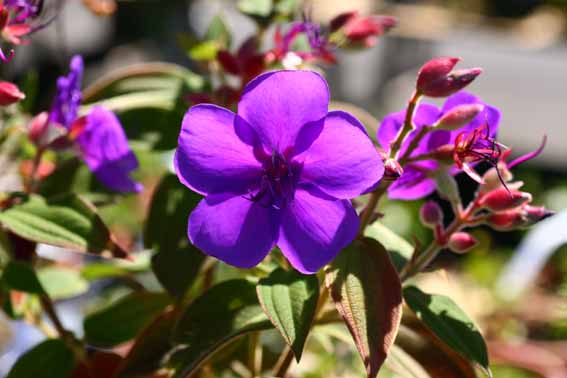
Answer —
534 214
462 242
492 178
501 199
436 78
505 221
459 116
38 127
431 214
10 93
392 170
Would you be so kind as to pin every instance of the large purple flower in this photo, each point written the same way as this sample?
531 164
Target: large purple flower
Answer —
99 135
280 171
416 181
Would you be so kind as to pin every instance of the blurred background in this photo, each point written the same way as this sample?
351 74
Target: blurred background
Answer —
514 284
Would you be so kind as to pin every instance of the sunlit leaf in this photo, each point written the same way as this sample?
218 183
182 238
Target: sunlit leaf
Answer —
448 322
62 283
66 221
261 8
223 313
289 299
366 290
218 32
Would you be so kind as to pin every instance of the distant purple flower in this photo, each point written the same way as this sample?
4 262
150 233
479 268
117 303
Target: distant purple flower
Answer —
416 181
68 97
280 171
24 9
99 135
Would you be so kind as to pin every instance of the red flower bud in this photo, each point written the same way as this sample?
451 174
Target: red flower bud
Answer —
501 199
505 221
341 20
459 116
367 29
10 93
38 127
436 78
462 242
392 170
431 214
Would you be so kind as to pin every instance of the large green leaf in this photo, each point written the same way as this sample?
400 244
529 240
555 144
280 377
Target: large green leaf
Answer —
367 292
50 359
403 365
66 221
171 204
21 276
177 270
449 323
289 299
400 249
223 313
150 347
124 319
62 283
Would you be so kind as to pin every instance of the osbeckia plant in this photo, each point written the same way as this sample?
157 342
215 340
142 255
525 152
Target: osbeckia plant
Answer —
280 172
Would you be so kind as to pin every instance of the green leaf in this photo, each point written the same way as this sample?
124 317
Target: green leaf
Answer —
448 322
404 365
223 313
261 8
286 7
289 299
204 51
66 221
400 249
177 270
171 204
62 283
50 359
219 33
367 292
124 319
5 249
21 276
150 347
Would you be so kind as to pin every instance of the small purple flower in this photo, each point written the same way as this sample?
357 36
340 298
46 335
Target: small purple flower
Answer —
99 135
416 181
279 172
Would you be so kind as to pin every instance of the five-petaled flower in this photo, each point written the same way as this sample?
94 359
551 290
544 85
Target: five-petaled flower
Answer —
101 140
280 172
417 181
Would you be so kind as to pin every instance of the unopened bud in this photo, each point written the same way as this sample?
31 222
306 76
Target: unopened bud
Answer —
392 170
535 214
431 214
436 78
38 128
462 242
340 20
506 220
501 199
459 116
10 93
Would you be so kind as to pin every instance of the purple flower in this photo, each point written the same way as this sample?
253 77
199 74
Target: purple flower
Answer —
280 171
416 181
105 149
68 97
99 135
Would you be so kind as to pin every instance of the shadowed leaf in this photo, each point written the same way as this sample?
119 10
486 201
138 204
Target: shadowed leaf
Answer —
50 359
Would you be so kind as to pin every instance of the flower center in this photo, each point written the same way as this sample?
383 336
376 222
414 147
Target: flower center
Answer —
278 182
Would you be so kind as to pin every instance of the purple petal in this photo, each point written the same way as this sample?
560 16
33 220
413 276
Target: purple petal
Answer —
342 161
280 105
426 114
211 158
414 182
234 229
315 229
68 96
105 149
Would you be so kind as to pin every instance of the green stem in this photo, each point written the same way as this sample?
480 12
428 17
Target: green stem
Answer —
408 125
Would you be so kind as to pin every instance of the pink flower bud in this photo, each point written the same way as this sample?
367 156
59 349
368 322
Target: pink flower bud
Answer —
431 214
436 78
392 170
462 242
459 116
505 221
501 199
534 214
10 93
38 127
